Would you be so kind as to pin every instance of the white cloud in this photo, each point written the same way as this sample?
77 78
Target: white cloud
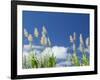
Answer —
35 46
27 47
59 52
47 51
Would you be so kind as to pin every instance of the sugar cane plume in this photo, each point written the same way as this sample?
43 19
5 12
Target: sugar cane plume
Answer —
74 36
81 43
74 39
43 40
30 39
36 33
81 39
49 42
25 33
43 34
87 42
81 47
43 37
44 30
71 39
74 46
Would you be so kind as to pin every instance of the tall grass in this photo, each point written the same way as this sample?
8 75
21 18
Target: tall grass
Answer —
75 60
42 62
32 59
49 59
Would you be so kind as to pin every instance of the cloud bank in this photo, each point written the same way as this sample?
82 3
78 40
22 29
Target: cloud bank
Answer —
58 51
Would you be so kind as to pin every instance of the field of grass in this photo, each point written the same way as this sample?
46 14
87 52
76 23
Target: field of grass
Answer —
32 60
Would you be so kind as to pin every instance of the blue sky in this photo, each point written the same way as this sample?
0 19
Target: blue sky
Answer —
59 25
